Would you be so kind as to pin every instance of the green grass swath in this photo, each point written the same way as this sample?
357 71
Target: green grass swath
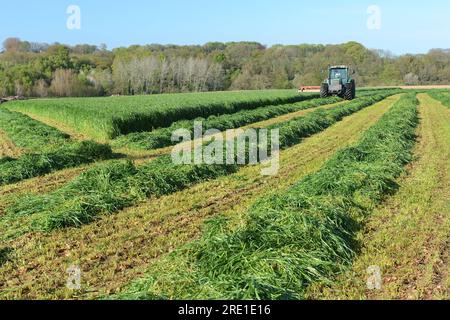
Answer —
291 240
37 164
105 118
29 134
114 186
161 138
47 149
442 96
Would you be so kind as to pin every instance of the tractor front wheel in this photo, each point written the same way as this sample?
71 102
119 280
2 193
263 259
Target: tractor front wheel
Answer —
350 91
324 90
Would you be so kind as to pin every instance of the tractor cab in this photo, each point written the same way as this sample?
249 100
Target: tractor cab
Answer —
339 83
338 73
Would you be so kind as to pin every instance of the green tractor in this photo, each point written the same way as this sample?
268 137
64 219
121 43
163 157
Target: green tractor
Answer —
339 83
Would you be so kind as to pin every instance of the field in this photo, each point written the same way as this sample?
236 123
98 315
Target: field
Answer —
105 118
89 183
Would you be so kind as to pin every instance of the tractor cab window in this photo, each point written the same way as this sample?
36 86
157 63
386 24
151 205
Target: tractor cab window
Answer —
338 74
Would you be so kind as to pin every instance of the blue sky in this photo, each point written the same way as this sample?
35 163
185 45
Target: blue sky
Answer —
406 26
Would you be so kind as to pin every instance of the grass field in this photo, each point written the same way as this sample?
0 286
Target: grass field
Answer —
413 269
105 118
362 183
31 149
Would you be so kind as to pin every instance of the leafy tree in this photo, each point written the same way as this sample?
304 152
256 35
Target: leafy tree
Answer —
39 69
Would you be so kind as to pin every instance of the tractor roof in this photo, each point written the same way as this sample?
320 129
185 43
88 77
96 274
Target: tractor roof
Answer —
339 67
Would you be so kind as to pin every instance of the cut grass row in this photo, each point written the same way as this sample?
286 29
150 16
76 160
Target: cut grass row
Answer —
119 248
7 147
161 138
442 96
291 240
45 149
106 118
37 164
407 237
114 186
30 135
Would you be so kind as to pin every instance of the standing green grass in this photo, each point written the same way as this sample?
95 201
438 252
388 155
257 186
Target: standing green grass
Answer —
106 118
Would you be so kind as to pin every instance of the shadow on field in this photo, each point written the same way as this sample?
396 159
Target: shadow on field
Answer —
4 255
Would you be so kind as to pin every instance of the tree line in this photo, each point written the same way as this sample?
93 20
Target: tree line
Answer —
42 70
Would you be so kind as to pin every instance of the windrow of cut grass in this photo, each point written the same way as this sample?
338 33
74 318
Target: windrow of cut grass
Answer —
30 135
113 186
7 147
107 118
45 149
109 188
407 236
161 138
292 131
442 96
127 242
291 240
33 165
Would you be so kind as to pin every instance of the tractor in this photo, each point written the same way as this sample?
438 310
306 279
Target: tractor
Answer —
339 83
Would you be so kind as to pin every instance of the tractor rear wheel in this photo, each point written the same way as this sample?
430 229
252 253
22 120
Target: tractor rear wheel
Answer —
324 90
350 91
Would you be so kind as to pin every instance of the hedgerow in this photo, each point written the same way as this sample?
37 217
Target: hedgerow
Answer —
290 240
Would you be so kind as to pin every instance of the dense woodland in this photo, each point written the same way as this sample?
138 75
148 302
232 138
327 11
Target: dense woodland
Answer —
41 70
